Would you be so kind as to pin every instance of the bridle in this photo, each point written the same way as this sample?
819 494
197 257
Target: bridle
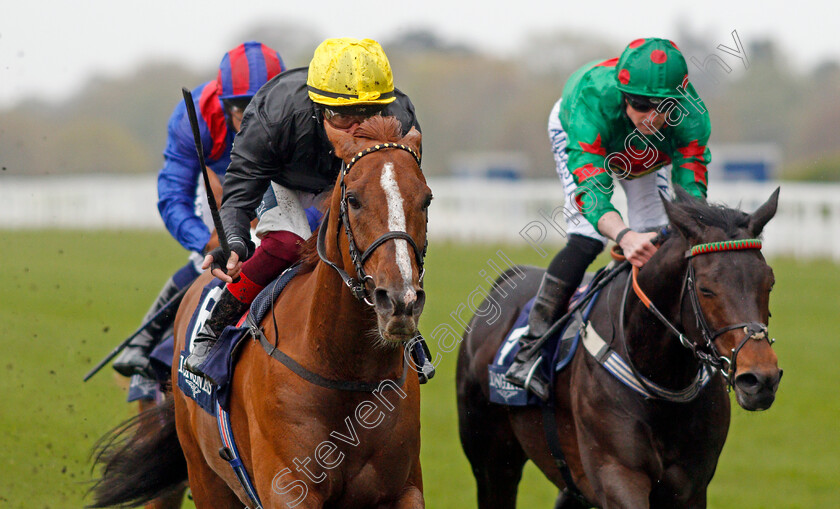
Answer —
358 285
706 352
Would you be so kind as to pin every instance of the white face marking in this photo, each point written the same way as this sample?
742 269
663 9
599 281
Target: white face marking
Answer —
396 222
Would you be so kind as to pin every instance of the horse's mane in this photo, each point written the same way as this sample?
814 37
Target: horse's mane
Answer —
377 128
714 215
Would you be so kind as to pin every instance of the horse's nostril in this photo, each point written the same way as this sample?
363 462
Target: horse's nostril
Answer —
420 302
382 300
748 382
754 383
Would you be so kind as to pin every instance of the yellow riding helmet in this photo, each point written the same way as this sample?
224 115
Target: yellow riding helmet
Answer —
350 72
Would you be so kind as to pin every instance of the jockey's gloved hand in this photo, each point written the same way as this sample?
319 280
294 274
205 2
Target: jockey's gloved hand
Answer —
220 261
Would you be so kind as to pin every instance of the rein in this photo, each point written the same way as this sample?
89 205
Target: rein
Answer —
707 353
358 285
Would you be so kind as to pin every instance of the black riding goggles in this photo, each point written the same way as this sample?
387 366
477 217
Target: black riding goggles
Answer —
240 103
365 110
642 103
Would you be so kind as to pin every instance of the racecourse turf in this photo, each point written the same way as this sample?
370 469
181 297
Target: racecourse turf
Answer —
68 297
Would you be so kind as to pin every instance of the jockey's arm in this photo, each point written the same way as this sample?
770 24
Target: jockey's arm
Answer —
177 184
637 247
254 159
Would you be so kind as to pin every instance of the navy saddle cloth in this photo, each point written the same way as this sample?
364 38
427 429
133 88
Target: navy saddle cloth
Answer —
220 363
556 353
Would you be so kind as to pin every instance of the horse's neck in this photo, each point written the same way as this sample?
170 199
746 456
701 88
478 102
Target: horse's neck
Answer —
656 352
341 333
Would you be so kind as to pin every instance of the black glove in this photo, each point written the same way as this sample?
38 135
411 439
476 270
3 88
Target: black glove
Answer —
220 261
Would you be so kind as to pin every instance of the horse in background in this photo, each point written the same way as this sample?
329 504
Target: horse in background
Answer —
349 404
603 443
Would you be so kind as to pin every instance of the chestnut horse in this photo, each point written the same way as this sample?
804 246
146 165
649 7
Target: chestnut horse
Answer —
603 443
329 433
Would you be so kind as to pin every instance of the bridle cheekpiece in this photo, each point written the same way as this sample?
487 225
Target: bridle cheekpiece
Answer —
358 285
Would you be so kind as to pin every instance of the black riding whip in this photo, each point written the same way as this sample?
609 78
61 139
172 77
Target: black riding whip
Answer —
211 200
561 322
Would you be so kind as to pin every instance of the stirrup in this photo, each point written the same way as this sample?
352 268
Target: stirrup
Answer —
200 351
534 382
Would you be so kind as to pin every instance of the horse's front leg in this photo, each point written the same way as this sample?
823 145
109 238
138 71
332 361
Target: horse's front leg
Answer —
412 493
283 484
620 487
411 498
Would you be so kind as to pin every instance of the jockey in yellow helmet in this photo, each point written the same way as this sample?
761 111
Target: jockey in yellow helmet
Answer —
283 152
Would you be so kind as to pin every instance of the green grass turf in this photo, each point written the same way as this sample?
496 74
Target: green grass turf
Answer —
68 297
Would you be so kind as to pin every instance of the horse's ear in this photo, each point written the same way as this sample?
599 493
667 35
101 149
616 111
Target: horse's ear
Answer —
764 214
413 139
679 216
343 142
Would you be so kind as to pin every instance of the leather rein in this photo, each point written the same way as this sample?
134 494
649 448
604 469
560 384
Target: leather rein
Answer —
706 352
359 285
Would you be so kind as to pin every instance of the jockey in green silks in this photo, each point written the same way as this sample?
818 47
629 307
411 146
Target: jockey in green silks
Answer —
636 120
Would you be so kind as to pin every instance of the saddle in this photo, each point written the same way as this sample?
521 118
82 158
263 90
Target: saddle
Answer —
556 352
222 359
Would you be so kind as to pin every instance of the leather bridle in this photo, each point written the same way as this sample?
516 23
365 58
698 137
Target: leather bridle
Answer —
358 285
706 351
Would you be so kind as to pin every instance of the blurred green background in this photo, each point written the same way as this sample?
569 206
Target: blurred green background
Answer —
68 297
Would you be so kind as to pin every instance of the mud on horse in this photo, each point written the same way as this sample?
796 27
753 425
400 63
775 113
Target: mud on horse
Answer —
688 326
347 432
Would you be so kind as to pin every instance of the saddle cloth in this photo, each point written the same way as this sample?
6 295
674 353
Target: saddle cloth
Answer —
222 358
556 353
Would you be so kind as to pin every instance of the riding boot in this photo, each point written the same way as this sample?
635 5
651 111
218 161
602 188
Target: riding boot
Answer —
134 359
552 297
225 312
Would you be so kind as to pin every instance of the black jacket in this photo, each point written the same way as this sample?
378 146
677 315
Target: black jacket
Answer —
282 139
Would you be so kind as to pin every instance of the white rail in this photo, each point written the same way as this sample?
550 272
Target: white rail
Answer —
807 224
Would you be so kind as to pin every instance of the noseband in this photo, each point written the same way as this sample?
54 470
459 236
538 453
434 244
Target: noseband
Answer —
358 285
707 352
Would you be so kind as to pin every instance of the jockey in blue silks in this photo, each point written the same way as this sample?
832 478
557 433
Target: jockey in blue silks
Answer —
182 199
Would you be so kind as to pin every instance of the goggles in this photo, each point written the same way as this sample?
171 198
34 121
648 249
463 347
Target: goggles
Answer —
239 103
642 103
346 116
365 110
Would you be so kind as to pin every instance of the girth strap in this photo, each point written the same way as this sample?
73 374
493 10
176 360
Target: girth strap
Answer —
230 453
552 437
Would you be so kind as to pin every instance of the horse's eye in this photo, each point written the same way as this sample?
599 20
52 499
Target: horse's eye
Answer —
706 292
353 201
427 202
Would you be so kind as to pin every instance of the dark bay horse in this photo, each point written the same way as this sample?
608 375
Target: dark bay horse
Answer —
313 444
623 449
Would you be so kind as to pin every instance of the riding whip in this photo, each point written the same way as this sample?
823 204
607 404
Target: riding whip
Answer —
211 199
561 322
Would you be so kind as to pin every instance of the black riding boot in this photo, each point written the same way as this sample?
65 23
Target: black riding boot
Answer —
134 359
552 297
226 310
562 278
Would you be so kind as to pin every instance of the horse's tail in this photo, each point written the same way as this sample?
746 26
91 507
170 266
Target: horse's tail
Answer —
141 460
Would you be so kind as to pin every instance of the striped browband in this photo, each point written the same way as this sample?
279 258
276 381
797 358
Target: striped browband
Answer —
381 146
726 245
